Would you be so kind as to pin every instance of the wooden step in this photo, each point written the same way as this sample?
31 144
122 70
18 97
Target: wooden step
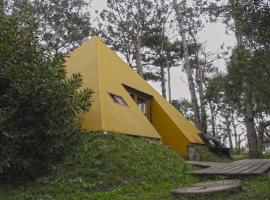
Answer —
209 187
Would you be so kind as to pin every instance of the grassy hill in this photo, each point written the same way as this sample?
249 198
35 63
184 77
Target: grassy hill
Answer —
115 166
110 166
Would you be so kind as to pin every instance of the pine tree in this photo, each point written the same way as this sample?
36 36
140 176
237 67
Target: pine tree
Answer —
63 24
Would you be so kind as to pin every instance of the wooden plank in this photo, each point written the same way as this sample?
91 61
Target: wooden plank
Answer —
239 168
208 187
243 167
254 169
263 168
215 168
211 169
205 164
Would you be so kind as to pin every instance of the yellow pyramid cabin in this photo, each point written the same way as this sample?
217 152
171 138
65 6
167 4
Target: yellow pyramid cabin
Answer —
124 102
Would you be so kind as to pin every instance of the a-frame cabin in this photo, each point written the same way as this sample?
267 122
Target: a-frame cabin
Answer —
124 102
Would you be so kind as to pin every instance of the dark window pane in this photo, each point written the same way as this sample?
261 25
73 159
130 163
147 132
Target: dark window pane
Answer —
117 99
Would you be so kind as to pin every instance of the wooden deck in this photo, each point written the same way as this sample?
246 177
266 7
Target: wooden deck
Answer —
237 168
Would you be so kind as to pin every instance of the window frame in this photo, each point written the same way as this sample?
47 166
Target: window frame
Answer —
139 94
117 99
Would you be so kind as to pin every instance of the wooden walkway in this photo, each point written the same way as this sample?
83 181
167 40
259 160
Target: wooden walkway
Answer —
237 168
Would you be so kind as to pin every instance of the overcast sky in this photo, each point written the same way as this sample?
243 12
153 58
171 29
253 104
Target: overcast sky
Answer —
213 35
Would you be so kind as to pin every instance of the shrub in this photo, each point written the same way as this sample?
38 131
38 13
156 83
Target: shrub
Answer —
38 104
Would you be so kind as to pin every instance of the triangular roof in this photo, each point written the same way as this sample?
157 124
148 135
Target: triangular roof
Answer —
104 72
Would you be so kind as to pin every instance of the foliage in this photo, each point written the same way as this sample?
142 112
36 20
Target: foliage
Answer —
62 24
111 166
185 107
161 50
38 105
125 23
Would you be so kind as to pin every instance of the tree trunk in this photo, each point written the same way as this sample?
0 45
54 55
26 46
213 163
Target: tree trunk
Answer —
138 55
249 121
199 79
239 143
213 120
163 81
228 128
237 33
235 134
2 7
139 42
200 82
248 105
191 85
162 63
169 80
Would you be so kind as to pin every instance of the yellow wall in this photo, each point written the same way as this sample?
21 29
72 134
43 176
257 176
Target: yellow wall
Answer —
83 60
171 135
104 72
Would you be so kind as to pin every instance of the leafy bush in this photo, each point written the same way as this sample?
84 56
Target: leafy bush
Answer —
38 104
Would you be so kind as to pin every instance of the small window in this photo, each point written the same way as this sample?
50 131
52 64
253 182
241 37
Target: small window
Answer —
118 99
141 102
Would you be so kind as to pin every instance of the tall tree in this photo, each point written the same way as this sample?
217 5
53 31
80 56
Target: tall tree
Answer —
249 61
188 68
156 39
250 22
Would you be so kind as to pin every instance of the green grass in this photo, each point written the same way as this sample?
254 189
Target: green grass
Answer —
245 156
118 167
110 166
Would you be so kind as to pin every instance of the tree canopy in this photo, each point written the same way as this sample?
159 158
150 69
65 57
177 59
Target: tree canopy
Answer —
39 104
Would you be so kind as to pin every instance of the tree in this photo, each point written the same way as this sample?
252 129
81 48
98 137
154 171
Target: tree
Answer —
223 110
185 107
250 61
156 40
62 24
214 96
188 68
194 15
250 22
162 52
124 24
39 105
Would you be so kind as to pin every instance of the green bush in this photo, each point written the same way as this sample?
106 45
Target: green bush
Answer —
38 104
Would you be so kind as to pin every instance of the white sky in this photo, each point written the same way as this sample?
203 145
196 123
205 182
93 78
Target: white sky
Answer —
213 35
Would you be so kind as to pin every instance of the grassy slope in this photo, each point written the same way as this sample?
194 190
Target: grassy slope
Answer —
112 166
